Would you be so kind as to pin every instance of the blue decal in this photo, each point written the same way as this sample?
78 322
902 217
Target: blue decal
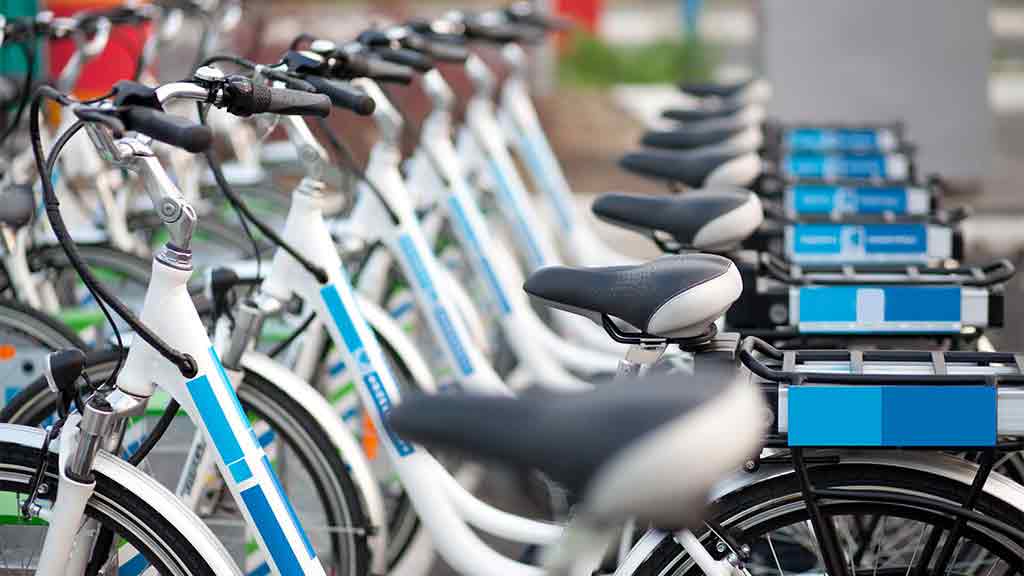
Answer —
133 567
215 420
835 166
880 304
269 528
828 304
370 378
896 416
922 303
227 385
530 146
288 505
451 337
266 438
895 238
240 471
261 570
835 416
474 242
536 256
817 239
832 139
875 239
825 199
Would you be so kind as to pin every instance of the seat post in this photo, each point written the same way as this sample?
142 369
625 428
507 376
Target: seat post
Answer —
639 357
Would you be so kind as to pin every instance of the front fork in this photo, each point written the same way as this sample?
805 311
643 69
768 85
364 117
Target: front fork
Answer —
69 541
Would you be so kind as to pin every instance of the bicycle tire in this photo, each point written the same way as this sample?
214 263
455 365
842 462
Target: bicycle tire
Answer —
26 336
750 511
160 542
311 444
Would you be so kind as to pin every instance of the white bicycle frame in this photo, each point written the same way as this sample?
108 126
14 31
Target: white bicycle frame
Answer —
527 139
482 142
208 398
436 173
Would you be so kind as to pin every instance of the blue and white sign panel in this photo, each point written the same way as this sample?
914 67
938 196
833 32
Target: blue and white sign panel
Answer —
840 140
867 243
843 166
887 309
834 200
889 416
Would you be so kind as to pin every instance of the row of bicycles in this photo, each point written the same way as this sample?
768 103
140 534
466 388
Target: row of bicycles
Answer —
229 347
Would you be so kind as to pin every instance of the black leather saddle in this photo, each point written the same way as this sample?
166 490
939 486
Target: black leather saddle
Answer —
685 138
708 220
17 206
715 90
690 167
671 297
566 436
726 110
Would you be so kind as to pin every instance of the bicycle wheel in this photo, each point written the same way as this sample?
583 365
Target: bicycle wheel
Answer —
26 337
301 452
126 274
143 536
403 523
883 535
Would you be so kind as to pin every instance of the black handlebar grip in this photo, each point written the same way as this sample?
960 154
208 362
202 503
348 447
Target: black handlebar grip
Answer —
167 128
415 60
359 66
502 33
290 102
343 95
438 50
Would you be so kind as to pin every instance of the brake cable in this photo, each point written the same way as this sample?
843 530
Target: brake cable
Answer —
185 363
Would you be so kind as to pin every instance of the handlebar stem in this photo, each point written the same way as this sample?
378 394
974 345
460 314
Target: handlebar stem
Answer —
385 116
515 58
440 93
312 155
481 77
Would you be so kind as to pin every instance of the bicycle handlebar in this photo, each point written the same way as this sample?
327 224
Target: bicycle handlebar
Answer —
343 96
418 61
243 97
168 128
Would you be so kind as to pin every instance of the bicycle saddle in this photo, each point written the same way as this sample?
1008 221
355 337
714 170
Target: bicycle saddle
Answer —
709 220
704 113
672 296
17 206
696 168
716 90
624 448
687 138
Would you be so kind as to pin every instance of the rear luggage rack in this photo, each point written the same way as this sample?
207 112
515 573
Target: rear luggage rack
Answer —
783 301
780 269
890 398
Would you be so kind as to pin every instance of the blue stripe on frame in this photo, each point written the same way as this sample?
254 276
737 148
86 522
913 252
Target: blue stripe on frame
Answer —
240 471
341 318
288 504
261 570
134 566
214 419
227 385
270 530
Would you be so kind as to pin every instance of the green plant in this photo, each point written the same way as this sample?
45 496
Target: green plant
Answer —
591 61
